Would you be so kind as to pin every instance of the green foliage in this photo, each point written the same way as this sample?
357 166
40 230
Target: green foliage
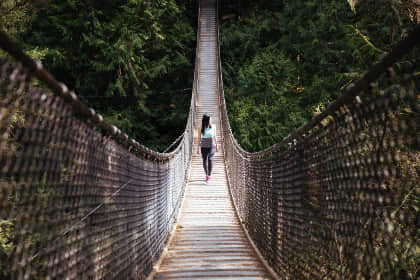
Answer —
14 15
266 97
6 227
119 56
279 63
6 242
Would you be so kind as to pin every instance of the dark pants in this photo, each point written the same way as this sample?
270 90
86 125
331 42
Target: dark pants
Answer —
207 154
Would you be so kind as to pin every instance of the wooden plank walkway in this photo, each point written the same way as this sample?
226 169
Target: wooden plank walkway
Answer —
209 242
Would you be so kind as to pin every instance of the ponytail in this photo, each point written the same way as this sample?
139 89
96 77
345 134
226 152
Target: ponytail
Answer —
205 123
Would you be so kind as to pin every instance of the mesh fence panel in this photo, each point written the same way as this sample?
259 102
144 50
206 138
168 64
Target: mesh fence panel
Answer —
78 199
339 199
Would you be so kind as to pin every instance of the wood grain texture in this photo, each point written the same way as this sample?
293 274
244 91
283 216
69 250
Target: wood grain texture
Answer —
209 242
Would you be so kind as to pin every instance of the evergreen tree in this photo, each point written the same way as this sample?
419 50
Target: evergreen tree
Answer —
120 56
282 63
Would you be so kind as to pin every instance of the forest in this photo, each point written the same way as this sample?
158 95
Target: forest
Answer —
283 62
133 60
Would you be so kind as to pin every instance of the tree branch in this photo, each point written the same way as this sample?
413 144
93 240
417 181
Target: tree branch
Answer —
367 41
11 10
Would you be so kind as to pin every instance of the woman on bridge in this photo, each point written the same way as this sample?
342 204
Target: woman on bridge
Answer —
208 144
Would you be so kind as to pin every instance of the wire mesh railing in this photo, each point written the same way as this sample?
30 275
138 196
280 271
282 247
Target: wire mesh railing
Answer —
340 197
79 199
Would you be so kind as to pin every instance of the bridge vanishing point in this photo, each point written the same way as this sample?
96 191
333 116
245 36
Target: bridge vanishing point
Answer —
337 199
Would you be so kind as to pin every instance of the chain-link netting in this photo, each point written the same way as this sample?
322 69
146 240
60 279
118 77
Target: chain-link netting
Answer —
78 198
340 198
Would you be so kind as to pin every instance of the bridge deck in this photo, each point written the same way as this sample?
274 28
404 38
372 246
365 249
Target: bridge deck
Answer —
209 242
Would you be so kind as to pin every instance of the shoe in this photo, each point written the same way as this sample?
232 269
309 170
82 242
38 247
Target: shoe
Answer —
207 179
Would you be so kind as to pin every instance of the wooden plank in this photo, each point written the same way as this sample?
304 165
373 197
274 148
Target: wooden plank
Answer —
209 242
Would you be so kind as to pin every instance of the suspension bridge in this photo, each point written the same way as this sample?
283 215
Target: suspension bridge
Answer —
337 199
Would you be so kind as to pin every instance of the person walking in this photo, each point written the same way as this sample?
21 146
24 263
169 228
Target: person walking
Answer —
208 144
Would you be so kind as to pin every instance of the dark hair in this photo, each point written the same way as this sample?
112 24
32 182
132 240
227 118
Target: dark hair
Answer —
205 122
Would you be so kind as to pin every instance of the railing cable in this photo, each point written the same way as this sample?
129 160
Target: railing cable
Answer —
338 197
